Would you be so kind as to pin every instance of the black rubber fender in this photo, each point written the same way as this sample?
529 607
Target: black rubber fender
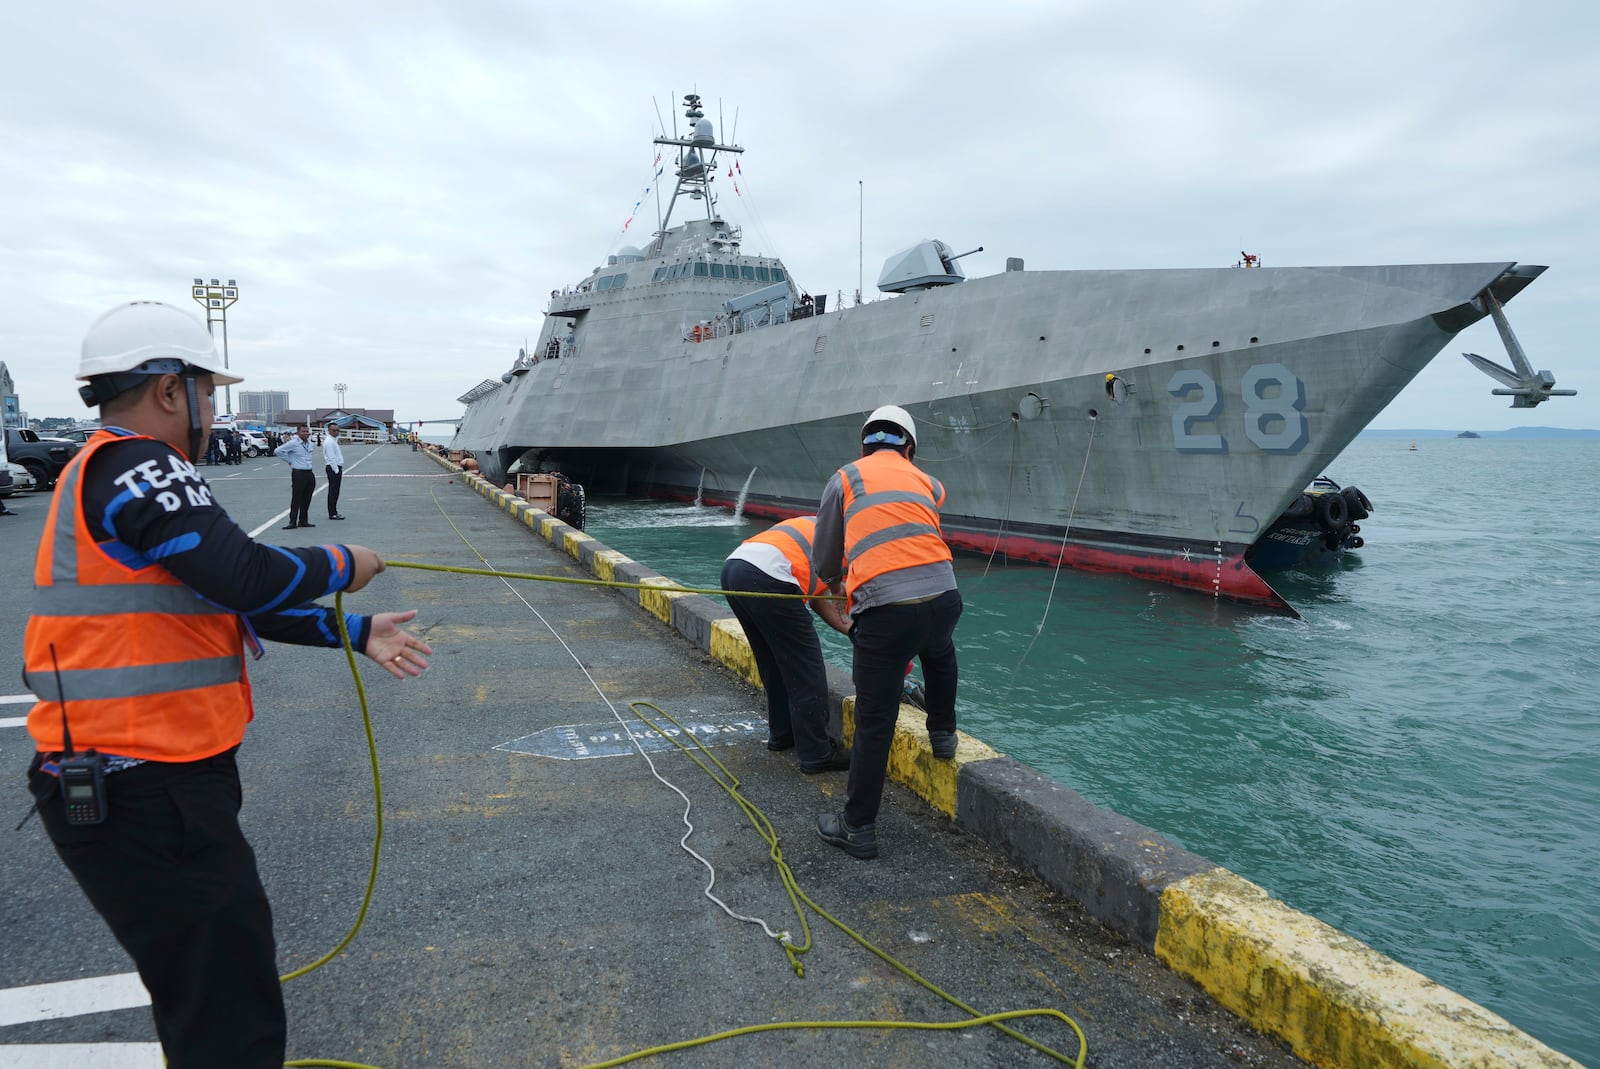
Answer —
1356 503
1332 513
1300 507
571 504
1354 542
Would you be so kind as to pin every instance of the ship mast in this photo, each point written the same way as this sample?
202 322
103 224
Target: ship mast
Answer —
697 159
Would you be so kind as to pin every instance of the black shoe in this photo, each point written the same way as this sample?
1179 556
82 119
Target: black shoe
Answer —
838 760
943 744
780 744
291 527
859 842
304 524
335 517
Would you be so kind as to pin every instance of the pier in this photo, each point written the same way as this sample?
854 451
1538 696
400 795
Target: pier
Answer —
533 905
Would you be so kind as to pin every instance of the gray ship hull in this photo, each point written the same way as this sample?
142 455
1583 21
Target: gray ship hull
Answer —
1149 422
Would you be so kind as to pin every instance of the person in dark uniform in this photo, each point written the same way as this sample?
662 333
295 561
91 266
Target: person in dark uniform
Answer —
147 596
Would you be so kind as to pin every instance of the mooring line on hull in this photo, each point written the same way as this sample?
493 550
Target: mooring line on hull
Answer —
1005 515
1061 555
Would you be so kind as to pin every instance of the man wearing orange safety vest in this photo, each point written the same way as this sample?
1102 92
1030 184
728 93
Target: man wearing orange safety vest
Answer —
147 596
783 640
878 540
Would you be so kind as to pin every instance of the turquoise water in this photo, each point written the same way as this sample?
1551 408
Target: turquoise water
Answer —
1416 761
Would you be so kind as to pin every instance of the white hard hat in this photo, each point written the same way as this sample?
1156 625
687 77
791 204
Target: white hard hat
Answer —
897 416
132 334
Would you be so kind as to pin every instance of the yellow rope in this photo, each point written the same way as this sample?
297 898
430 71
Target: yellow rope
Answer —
660 588
730 784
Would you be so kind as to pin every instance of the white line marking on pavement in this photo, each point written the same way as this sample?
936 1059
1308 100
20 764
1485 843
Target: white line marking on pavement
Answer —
81 1056
71 998
17 699
13 721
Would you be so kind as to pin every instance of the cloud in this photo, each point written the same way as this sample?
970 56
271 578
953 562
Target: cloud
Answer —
397 187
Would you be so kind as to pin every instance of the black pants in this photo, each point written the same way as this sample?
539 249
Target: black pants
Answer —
174 878
302 484
788 657
335 477
885 639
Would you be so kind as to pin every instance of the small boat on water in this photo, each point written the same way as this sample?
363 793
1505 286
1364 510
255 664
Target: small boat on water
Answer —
1314 531
1157 423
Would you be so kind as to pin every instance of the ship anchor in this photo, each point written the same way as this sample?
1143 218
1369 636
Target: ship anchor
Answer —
1527 388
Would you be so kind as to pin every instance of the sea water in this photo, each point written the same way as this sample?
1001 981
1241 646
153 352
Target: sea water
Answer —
1415 761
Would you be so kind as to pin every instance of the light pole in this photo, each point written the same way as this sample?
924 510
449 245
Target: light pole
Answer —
216 299
339 388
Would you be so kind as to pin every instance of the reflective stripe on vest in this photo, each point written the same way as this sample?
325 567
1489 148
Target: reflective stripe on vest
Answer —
793 538
123 597
891 517
95 684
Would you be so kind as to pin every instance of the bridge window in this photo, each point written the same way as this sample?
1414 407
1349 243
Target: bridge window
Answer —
661 273
700 269
619 281
716 270
747 273
763 275
604 283
777 275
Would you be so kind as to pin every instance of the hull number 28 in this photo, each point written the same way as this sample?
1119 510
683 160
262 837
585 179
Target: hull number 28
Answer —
1273 398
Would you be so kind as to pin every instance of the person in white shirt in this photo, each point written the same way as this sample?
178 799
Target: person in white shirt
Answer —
333 463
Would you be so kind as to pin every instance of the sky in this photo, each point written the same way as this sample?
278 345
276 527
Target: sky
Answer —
397 186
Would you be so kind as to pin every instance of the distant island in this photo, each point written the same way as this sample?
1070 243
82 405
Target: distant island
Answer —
1514 432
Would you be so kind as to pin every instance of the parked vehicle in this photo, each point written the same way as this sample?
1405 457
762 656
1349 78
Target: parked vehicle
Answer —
6 484
15 479
43 457
76 434
252 443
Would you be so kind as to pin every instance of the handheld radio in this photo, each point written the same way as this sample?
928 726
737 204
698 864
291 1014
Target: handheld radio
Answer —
83 776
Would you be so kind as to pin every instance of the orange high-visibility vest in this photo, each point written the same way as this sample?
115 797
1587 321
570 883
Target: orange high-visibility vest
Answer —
146 666
891 517
793 539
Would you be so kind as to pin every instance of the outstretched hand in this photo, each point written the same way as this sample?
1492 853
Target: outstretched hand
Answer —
401 654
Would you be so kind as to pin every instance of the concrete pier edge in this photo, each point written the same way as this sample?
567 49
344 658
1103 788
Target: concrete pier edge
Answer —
1335 1001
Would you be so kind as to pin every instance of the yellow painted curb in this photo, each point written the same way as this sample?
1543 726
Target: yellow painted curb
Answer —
731 648
571 540
658 603
911 760
605 564
1337 1001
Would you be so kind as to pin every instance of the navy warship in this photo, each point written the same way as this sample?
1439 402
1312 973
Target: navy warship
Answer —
1149 422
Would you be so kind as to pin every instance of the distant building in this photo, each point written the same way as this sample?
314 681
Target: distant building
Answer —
11 414
376 419
263 404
